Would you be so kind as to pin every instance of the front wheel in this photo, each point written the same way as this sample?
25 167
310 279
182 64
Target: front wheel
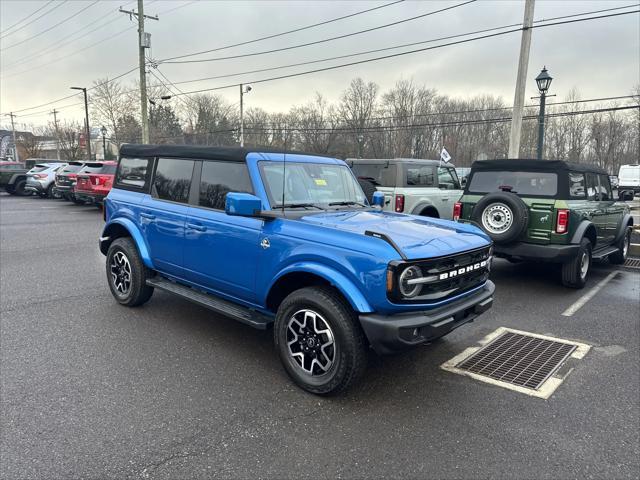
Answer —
126 274
619 257
576 270
319 340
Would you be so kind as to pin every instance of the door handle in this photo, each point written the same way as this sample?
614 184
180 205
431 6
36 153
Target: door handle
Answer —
148 216
197 228
445 199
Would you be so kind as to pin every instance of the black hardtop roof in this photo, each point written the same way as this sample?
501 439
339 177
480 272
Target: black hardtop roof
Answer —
234 154
533 164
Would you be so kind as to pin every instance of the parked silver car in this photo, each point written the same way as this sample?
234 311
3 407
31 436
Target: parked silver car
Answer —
41 179
419 187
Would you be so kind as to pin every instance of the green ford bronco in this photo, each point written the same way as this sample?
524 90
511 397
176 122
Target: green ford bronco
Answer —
545 210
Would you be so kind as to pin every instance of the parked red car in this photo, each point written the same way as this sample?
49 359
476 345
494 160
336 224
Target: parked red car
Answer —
94 182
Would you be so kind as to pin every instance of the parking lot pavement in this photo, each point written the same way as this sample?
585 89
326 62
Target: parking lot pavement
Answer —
169 390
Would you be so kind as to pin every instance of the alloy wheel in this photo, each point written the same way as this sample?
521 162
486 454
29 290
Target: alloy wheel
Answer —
311 342
120 269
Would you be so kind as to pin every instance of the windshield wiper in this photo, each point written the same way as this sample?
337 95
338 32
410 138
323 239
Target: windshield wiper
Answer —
298 205
347 203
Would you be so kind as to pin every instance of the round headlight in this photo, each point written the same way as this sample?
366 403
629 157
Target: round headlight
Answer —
407 289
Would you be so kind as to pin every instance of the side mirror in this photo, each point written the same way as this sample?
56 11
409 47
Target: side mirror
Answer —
378 199
626 195
242 204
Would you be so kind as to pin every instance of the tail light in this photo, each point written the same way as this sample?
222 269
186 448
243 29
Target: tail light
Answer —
41 175
457 211
399 203
563 221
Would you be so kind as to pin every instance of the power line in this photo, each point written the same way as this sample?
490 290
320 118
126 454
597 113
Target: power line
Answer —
385 57
324 40
61 42
311 62
57 5
51 27
299 29
392 128
3 32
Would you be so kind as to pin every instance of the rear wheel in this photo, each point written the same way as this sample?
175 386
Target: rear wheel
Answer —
19 188
319 339
77 201
50 191
126 273
576 270
619 257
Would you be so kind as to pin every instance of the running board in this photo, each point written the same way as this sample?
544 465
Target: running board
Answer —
603 252
237 312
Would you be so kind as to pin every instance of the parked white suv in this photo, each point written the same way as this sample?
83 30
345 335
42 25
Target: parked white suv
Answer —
419 187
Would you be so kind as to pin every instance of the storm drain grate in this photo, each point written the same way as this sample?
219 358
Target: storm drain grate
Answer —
632 263
517 359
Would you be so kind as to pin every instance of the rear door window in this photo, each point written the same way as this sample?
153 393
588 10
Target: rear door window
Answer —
132 173
380 174
220 178
172 180
577 185
448 178
534 184
420 176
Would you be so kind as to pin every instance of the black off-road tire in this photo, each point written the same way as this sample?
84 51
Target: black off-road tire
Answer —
50 193
77 201
573 275
368 188
19 188
619 257
518 220
350 355
139 292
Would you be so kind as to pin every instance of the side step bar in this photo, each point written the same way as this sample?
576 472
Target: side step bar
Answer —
237 312
603 252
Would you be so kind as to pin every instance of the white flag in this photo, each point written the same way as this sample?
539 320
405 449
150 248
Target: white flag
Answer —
444 155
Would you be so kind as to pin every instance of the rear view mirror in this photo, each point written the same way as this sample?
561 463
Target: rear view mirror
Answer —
242 204
378 199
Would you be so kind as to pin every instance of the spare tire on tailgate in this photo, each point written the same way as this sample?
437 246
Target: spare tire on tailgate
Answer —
368 188
503 215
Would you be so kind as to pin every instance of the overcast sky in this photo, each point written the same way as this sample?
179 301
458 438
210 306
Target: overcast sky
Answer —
601 58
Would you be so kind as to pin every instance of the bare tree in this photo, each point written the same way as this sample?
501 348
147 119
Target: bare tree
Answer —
70 148
110 101
357 106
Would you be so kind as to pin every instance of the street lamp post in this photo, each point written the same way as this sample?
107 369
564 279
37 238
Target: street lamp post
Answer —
103 130
544 82
243 90
86 119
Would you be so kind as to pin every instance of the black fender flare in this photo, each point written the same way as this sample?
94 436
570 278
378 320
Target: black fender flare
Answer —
16 177
627 221
582 230
422 205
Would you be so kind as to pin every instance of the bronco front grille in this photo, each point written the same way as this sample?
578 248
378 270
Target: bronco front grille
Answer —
445 277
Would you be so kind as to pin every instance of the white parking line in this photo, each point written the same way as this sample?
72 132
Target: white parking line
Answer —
588 296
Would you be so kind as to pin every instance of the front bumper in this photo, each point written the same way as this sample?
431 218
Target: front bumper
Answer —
537 252
394 333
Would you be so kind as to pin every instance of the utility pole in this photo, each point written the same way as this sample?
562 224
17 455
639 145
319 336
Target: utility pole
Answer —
55 123
521 82
86 120
15 143
243 90
144 41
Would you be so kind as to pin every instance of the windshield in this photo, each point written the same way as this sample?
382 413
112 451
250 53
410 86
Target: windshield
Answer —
310 184
39 168
523 183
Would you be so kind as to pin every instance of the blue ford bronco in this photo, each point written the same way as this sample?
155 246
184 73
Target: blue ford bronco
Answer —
289 240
